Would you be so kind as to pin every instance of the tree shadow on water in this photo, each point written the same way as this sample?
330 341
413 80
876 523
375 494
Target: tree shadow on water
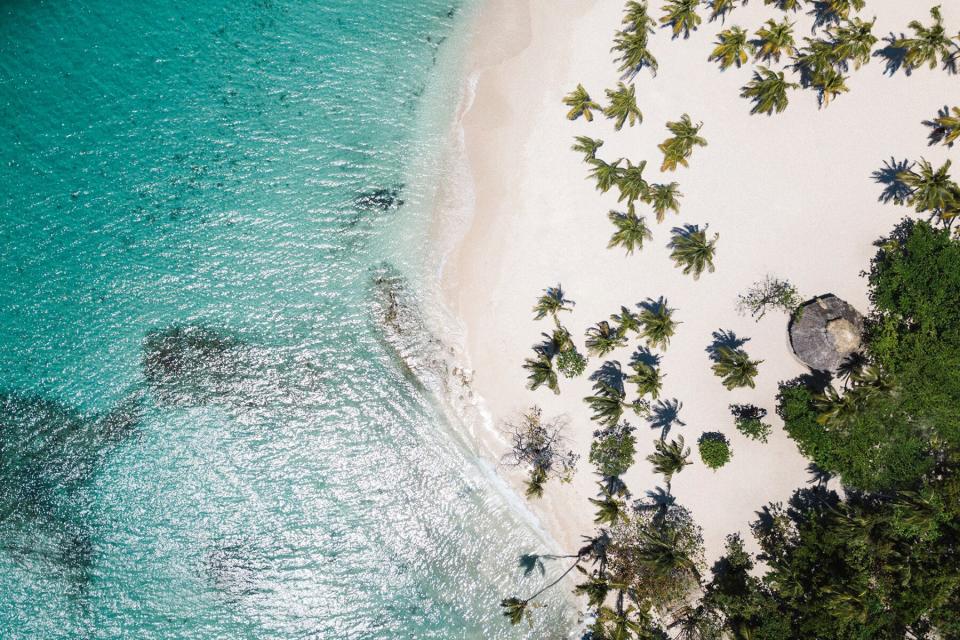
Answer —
534 562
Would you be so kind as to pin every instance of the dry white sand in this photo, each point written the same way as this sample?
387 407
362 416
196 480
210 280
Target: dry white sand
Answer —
790 195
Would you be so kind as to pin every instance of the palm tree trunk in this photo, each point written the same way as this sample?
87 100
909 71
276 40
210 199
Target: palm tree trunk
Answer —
557 581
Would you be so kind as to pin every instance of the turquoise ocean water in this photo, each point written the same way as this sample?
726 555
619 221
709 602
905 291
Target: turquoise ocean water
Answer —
202 432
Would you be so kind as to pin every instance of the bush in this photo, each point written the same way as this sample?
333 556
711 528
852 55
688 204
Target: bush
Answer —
749 421
714 449
571 363
612 450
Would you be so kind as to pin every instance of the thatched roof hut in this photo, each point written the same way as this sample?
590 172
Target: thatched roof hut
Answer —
825 331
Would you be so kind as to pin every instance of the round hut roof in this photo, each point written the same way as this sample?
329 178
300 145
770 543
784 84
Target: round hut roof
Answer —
825 331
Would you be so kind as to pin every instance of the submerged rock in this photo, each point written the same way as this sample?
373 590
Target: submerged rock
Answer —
825 331
48 451
379 199
191 364
46 446
234 568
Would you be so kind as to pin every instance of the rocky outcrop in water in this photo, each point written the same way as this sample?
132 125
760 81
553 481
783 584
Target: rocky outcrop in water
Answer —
825 331
430 361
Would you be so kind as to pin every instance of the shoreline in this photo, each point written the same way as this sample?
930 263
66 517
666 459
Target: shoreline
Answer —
537 222
490 46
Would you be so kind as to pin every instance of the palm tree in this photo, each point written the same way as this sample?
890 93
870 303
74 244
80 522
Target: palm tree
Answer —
648 379
773 40
617 624
768 90
927 43
636 18
605 174
679 147
681 16
595 588
786 5
603 338
842 8
607 404
720 8
609 508
663 555
947 127
631 184
541 373
580 104
669 458
735 367
515 610
560 340
829 84
813 59
932 189
633 53
663 198
853 40
552 302
631 231
536 483
623 106
587 146
732 48
626 321
692 250
658 324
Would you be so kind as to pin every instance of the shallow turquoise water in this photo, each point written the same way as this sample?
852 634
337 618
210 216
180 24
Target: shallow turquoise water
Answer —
264 468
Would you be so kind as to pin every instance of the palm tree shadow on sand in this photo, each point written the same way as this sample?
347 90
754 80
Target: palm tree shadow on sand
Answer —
938 132
895 190
664 415
609 373
643 355
894 57
724 338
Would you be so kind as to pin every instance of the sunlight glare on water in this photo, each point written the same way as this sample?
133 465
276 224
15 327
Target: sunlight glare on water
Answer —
204 434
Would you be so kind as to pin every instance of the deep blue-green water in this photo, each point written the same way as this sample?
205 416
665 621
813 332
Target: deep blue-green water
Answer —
203 433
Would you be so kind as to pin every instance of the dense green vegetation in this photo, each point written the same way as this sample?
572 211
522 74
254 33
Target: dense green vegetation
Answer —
714 449
899 418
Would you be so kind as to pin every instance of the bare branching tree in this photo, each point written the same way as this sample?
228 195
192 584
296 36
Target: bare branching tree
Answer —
769 293
540 445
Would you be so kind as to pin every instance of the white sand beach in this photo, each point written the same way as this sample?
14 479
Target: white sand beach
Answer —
790 195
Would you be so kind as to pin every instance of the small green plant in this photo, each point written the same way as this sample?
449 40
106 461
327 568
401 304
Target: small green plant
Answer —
714 449
571 363
749 421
